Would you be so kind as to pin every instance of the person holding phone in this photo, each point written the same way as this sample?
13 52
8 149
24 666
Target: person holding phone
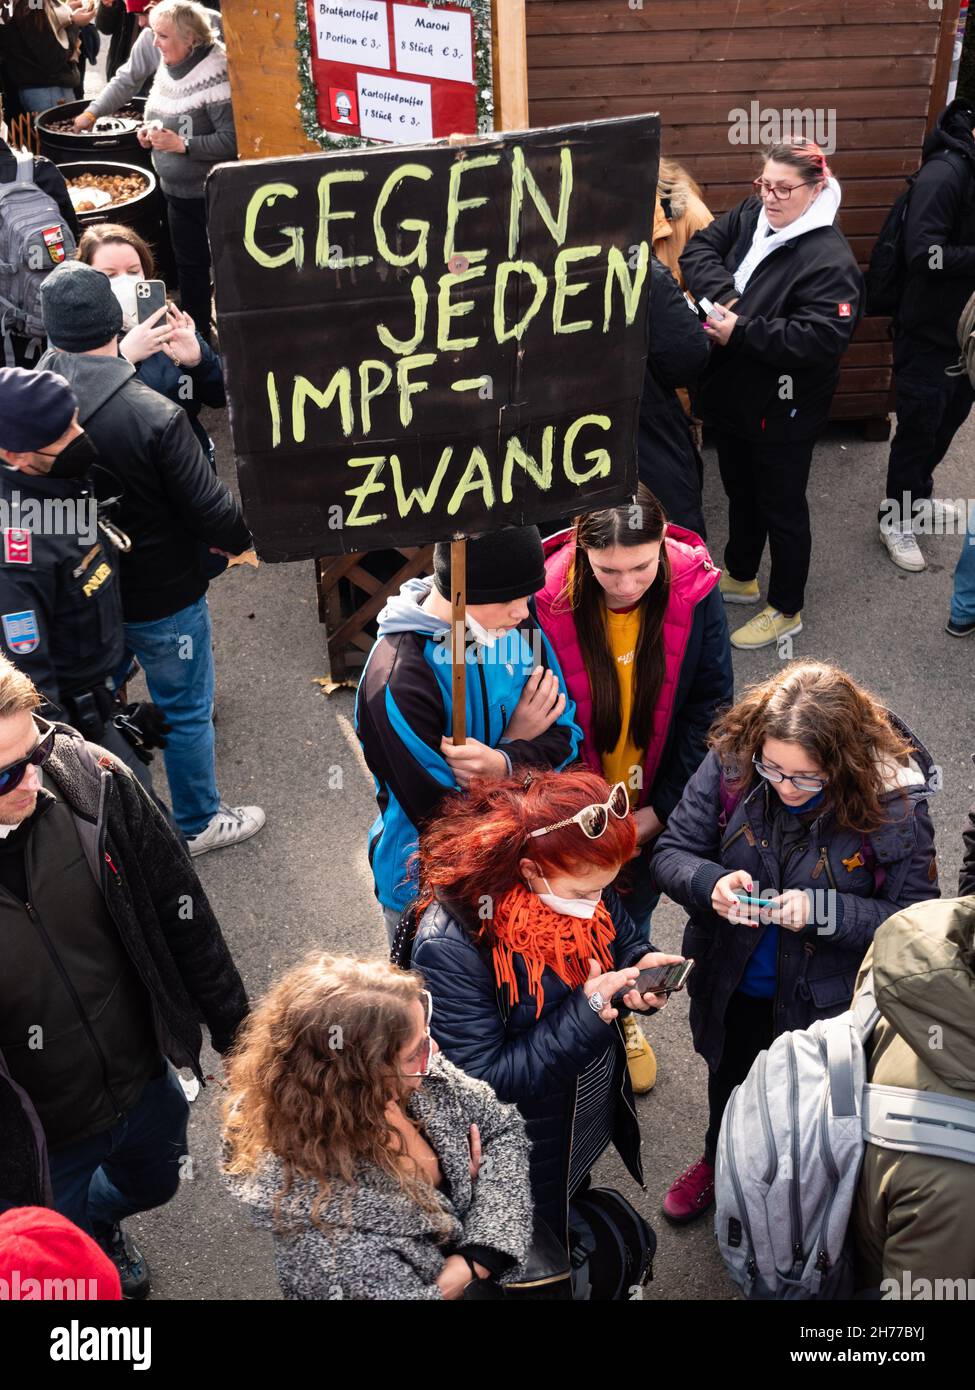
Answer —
165 348
382 1171
787 295
525 948
813 800
632 609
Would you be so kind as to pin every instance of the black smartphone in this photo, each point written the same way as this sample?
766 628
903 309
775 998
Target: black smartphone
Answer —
658 979
150 295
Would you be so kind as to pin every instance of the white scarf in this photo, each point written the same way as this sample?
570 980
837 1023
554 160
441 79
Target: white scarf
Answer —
820 213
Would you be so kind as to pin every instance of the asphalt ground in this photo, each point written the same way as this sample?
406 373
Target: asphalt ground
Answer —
303 883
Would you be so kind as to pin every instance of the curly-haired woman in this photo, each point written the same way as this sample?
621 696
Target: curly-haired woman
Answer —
813 798
382 1171
524 946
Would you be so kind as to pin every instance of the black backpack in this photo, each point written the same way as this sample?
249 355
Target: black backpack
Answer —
612 1247
887 272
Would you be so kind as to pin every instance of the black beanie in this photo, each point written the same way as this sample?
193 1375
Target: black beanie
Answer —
501 566
79 310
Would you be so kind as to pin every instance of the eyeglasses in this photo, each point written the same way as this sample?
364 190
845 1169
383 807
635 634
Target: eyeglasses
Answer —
782 192
593 820
13 774
801 784
425 1051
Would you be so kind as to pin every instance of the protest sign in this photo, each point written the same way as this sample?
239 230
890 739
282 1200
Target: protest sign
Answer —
424 342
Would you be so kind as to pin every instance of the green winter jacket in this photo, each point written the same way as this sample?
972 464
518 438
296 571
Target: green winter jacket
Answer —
915 1215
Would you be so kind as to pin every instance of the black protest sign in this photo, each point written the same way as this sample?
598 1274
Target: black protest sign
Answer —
434 340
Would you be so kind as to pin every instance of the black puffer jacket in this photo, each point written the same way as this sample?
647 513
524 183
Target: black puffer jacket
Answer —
536 1063
170 498
861 881
181 957
795 319
940 214
668 462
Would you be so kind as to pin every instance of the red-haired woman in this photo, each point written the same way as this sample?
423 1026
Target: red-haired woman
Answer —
779 258
523 946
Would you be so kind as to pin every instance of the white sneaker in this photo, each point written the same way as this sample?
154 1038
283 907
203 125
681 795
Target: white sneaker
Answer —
229 826
902 547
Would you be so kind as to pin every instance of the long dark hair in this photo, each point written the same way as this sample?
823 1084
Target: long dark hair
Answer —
639 523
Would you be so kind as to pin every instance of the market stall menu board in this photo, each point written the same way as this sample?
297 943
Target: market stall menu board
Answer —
432 341
393 70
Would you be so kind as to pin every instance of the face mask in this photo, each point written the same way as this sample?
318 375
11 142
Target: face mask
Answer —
584 908
75 460
123 288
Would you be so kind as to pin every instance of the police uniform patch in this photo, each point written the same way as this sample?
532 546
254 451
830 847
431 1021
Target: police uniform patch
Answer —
20 631
16 546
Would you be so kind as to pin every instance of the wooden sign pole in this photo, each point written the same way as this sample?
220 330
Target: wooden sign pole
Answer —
458 603
510 59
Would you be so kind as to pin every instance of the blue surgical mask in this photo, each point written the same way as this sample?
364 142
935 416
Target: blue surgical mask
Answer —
584 908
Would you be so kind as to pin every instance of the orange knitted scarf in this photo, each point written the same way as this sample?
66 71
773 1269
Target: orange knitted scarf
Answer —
526 927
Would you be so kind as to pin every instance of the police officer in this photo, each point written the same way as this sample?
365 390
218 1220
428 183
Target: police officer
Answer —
60 607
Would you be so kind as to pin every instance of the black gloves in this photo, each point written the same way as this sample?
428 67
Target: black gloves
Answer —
144 726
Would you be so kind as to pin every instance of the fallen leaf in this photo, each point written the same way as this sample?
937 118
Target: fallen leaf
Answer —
246 557
330 687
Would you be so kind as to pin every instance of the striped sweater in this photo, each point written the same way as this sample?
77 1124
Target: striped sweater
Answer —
193 98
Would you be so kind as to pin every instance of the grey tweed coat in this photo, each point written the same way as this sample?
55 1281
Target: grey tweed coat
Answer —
379 1244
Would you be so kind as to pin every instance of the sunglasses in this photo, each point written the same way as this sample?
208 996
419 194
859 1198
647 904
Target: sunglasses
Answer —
593 820
13 774
424 1052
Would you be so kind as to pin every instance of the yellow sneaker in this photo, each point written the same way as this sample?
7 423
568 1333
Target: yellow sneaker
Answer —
641 1062
765 628
738 590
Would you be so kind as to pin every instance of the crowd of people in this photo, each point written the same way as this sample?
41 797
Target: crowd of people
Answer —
427 1127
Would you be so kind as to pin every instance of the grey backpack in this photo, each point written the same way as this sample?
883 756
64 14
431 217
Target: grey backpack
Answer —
790 1148
966 343
33 240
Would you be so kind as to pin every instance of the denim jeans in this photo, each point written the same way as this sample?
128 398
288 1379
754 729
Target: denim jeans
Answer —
41 98
963 596
129 1168
177 657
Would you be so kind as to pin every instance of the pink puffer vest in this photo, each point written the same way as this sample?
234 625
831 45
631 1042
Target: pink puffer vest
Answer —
693 575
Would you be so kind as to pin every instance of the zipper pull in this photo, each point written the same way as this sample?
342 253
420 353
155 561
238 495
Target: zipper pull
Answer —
749 834
108 861
820 863
504 719
822 1262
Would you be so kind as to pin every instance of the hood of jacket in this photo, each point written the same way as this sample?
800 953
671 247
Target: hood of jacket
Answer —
404 613
93 379
952 131
923 962
919 778
692 571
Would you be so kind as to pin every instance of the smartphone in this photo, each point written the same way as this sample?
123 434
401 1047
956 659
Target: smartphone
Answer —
755 902
658 979
150 295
